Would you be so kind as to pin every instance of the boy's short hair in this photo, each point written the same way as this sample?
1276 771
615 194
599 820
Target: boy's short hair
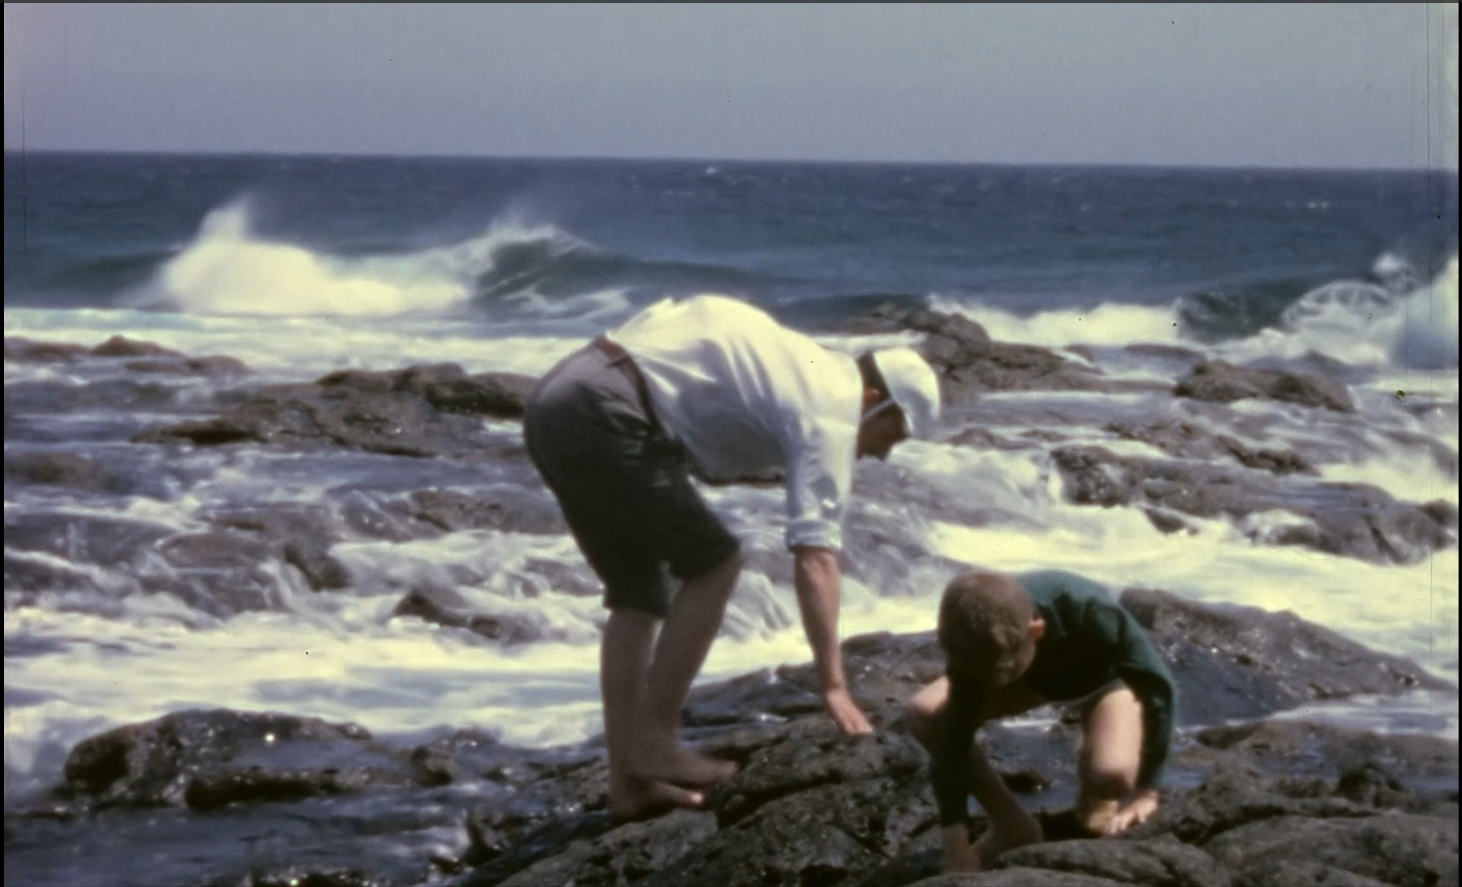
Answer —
984 627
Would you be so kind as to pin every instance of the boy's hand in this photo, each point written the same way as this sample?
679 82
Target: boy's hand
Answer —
958 855
1139 809
846 713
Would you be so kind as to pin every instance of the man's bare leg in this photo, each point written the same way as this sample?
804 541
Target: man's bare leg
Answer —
1111 752
690 628
624 659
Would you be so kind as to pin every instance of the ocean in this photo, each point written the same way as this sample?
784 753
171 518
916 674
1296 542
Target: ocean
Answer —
299 266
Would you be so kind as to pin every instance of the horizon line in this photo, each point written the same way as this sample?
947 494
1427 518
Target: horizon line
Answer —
763 161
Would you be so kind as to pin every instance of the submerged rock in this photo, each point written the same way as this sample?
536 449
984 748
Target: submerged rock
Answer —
968 362
206 759
1353 520
1221 381
420 411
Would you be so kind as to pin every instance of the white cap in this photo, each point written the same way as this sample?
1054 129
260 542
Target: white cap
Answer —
913 386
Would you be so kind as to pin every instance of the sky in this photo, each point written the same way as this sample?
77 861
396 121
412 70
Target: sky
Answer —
1270 85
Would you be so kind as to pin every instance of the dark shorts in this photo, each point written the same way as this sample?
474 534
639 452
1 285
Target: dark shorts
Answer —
624 486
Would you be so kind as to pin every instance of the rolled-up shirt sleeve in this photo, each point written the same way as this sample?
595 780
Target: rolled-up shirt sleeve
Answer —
819 476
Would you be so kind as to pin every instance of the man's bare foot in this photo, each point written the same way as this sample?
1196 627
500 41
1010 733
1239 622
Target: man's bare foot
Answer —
634 799
678 765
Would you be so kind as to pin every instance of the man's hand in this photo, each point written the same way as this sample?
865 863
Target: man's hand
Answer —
819 584
1139 809
846 713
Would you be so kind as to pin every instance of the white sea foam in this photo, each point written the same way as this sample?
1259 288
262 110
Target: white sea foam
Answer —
228 269
1366 325
1106 324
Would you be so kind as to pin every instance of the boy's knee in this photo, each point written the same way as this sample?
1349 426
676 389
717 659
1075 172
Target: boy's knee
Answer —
921 722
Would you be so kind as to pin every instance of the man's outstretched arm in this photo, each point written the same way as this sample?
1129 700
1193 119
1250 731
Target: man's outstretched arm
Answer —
819 590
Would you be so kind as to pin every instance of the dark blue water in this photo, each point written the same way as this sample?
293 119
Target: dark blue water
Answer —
808 241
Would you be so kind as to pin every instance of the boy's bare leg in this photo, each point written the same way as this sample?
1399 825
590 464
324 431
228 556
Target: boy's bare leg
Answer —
624 660
1111 752
690 627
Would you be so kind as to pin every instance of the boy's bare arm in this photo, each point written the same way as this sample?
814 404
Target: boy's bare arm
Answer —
1009 821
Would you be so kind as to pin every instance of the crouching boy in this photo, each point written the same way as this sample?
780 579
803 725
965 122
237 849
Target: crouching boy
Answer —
1015 642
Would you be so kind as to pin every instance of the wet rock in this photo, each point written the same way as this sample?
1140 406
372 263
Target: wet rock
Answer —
509 509
1221 381
300 536
759 696
22 350
1400 771
213 367
1019 877
1394 848
840 830
968 362
445 386
1353 520
26 576
121 346
202 759
793 766
1267 801
1161 861
421 411
1289 873
1187 440
51 397
57 469
83 539
443 606
626 855
1243 662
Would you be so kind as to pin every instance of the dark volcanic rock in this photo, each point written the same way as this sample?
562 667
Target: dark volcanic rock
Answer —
58 469
1242 662
969 362
510 509
121 346
1189 441
422 411
445 386
204 759
1160 861
1222 381
447 607
299 535
213 366
1354 520
1395 848
1264 802
22 350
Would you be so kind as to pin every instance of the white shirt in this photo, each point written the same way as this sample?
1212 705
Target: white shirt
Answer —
743 394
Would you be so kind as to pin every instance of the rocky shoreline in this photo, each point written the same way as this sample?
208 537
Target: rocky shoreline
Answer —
1257 793
1260 792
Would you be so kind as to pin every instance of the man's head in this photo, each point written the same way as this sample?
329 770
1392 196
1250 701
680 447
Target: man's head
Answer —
900 400
988 628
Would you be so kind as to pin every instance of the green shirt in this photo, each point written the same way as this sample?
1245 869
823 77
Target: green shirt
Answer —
1089 642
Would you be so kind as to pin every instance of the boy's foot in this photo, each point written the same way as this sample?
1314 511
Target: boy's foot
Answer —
634 800
677 765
